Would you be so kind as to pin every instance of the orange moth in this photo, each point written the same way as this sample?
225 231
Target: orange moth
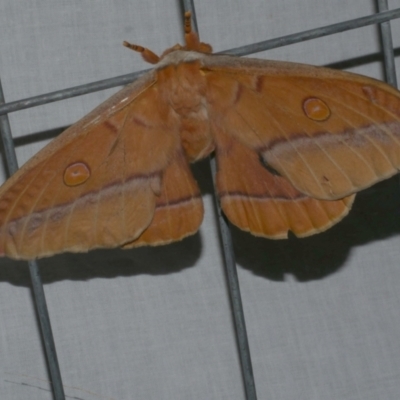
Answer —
293 144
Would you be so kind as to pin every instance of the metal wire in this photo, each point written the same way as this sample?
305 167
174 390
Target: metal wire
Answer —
231 273
387 47
382 17
47 333
315 33
239 51
37 286
6 136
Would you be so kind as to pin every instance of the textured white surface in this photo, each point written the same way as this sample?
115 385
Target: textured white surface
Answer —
322 313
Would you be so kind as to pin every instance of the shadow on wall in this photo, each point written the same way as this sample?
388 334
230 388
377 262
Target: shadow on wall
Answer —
375 215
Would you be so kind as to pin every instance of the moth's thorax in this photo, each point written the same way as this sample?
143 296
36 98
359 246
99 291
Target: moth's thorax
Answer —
183 86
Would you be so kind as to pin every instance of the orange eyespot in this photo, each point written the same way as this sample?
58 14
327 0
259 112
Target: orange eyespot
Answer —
76 174
316 109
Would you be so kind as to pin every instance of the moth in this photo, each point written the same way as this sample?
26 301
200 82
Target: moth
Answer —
293 145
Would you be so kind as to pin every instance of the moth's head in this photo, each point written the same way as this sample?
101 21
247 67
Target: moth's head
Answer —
192 43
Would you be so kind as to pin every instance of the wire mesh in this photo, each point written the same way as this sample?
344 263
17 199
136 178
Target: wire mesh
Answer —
382 17
238 51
